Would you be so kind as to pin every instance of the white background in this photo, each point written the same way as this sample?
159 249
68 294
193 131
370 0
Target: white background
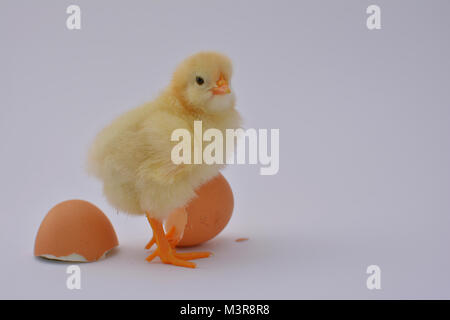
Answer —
364 143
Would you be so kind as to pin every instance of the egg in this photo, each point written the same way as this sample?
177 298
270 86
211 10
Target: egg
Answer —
75 230
205 216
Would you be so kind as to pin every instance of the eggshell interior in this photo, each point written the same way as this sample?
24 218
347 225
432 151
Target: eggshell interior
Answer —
206 215
75 230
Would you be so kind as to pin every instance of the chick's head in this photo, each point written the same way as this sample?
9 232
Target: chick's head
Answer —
203 81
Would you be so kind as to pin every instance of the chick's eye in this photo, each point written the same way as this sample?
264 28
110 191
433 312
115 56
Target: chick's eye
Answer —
199 80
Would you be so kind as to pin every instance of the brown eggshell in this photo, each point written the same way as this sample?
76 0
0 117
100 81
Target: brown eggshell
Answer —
75 230
206 215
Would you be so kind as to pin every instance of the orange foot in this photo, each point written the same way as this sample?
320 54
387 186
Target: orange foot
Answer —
165 251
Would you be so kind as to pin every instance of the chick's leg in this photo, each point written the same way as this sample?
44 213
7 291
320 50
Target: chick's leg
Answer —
170 237
166 253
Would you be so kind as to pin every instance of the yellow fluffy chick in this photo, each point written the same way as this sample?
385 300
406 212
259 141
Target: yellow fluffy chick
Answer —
132 156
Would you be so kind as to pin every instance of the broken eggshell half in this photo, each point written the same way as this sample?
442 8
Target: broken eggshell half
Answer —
75 230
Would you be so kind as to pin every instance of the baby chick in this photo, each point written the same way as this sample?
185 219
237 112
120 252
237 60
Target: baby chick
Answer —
132 156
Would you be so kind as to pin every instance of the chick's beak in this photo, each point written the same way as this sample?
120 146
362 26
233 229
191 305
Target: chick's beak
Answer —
221 86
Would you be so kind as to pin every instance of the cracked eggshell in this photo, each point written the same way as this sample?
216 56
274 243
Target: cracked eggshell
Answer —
75 230
205 216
